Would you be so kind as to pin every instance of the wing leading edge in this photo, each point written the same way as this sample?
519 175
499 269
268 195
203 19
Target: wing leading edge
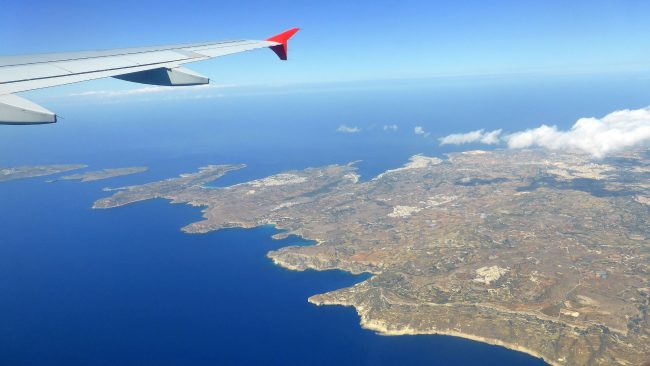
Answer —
159 65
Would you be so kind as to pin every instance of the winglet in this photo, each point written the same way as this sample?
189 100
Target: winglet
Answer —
282 38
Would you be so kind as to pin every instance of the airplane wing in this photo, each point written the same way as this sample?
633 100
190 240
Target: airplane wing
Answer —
160 65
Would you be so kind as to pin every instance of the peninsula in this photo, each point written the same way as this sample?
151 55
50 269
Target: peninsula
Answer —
546 253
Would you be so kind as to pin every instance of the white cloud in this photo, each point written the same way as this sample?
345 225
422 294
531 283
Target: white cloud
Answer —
599 137
492 137
478 136
391 127
418 130
348 129
147 90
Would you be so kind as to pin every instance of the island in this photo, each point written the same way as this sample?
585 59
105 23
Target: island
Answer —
102 174
543 252
23 172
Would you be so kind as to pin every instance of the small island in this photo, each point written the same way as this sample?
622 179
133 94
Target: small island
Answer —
23 172
102 174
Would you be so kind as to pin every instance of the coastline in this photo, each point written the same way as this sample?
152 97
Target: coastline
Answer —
382 329
428 280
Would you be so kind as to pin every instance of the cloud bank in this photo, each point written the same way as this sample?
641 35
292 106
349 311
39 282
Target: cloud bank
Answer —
478 136
599 137
348 129
147 90
390 127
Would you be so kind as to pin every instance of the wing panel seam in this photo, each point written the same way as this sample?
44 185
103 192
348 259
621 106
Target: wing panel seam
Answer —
137 52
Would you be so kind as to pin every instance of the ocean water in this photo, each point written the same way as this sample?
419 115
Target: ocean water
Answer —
126 287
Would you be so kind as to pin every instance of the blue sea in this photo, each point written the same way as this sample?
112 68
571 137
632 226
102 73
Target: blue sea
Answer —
126 287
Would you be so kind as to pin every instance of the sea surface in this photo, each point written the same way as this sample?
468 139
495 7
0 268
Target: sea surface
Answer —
126 287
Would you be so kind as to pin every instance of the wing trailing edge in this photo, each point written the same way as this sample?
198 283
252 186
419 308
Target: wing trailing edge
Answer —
164 76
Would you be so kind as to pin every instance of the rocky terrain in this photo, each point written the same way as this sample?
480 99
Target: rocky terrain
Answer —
546 253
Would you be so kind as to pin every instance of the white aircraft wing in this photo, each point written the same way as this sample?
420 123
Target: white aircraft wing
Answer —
160 65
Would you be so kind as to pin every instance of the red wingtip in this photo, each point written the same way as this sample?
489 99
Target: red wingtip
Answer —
282 38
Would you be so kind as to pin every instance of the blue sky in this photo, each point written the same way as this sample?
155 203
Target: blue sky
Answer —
352 40
549 62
